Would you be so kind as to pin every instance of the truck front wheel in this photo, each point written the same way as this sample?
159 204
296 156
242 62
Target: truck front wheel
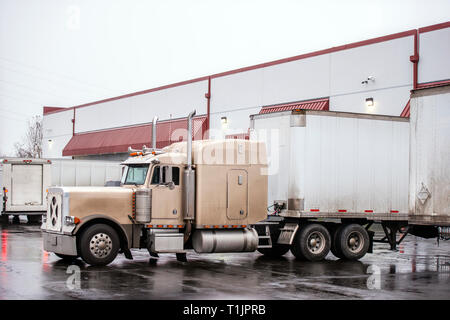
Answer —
99 245
352 241
312 242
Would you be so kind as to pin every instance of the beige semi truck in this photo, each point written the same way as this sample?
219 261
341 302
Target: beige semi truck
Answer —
201 195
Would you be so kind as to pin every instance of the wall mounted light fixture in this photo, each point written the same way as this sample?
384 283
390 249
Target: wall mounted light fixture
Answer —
369 102
224 120
369 78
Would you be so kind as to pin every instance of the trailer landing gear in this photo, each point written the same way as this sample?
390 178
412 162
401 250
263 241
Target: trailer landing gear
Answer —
390 229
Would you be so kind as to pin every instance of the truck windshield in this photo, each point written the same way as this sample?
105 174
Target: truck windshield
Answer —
135 174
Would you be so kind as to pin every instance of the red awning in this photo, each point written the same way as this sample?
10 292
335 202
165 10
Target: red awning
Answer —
405 112
317 104
118 140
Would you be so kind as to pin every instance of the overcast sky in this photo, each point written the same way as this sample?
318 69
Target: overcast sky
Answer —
69 52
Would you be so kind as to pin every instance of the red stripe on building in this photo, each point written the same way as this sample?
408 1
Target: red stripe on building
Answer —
118 140
435 27
317 104
405 112
433 84
48 110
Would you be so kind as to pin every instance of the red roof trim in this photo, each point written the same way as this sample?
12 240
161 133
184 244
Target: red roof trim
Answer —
435 27
177 84
433 84
48 110
316 104
117 140
405 112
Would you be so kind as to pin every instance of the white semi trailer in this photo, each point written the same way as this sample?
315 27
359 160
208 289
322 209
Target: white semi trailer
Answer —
333 174
24 182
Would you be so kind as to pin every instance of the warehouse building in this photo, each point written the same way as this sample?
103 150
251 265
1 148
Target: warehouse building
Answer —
373 76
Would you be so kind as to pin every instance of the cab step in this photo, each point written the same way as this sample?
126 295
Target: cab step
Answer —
264 240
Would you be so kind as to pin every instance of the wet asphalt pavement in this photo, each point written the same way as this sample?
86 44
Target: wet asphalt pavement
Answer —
420 269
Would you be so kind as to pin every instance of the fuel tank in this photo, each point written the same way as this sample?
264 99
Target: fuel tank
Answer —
210 241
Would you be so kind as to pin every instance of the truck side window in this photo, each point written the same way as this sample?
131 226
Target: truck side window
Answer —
176 175
167 174
155 177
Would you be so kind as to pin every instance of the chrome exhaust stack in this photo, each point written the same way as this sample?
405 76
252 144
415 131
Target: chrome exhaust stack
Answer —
155 119
189 176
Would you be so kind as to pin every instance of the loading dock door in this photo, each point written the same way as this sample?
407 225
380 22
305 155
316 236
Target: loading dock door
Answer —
26 184
237 194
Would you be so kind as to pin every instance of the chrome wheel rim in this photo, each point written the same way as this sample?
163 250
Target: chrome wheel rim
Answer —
100 245
316 242
355 241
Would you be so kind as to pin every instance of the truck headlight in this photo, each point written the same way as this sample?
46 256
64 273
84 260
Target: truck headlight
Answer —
71 220
44 218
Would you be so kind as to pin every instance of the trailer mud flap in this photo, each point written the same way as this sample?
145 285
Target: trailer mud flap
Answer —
371 234
287 233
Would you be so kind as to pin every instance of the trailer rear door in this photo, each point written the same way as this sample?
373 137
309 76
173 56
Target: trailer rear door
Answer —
26 184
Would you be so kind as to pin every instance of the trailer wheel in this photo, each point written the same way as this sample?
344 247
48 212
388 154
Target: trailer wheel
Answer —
312 243
335 247
66 257
277 250
99 245
353 241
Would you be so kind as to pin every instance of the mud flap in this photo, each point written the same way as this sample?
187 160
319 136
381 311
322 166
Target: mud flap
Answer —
127 253
371 234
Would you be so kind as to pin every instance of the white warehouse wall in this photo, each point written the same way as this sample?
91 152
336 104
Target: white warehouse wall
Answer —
434 55
337 75
57 127
387 62
176 101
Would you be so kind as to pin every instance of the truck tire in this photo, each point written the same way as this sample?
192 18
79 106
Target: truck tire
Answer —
335 247
312 243
66 257
276 251
353 241
99 245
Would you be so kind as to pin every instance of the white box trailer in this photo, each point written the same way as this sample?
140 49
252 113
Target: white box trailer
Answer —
68 172
429 201
331 176
324 164
24 182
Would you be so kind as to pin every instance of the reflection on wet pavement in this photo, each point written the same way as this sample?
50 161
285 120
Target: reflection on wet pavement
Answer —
420 269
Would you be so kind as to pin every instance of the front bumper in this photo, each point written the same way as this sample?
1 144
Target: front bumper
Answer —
60 243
